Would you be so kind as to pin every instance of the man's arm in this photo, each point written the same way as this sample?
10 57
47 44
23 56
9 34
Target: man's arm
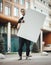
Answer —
19 22
18 26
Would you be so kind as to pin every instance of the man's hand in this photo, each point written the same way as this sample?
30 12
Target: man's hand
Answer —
18 26
22 21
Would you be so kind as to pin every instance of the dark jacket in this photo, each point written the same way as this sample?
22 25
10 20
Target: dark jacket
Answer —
19 21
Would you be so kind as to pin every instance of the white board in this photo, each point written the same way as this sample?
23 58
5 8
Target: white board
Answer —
31 28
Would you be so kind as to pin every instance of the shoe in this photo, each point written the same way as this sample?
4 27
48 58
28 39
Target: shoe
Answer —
27 58
20 58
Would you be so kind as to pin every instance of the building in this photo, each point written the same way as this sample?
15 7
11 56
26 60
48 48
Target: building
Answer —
9 15
44 6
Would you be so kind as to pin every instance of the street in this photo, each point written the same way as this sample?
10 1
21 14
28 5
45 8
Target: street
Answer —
36 59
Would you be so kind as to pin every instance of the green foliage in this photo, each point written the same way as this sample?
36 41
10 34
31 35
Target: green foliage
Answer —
1 44
35 48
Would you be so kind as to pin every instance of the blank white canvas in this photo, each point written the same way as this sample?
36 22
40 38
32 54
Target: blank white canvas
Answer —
31 28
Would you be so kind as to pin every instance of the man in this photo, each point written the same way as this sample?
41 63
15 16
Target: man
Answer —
22 40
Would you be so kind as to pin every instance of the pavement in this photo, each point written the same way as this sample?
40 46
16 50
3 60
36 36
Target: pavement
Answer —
36 59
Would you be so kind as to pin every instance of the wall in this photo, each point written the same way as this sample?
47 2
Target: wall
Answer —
47 38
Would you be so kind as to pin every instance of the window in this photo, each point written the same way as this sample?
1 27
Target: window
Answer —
0 29
16 11
7 10
12 31
16 1
5 29
15 31
27 4
9 0
22 2
0 5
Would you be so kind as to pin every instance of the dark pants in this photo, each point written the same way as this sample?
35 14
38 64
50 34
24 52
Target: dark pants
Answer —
21 44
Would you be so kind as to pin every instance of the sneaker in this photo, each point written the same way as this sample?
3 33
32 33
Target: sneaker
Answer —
27 58
20 58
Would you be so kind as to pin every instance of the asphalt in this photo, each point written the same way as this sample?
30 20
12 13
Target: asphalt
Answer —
36 59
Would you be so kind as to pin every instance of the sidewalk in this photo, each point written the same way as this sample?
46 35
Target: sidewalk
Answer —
36 59
11 57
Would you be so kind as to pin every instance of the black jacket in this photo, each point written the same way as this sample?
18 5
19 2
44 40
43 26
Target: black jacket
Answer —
19 21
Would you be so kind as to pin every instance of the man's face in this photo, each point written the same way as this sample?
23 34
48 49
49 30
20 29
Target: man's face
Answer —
23 12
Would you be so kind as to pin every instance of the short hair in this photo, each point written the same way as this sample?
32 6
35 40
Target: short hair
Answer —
22 10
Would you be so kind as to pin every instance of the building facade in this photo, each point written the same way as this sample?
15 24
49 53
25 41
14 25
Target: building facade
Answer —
44 6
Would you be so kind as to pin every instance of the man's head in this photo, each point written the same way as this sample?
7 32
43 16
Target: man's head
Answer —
23 12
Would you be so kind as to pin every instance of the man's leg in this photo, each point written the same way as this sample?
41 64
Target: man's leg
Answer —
20 48
27 49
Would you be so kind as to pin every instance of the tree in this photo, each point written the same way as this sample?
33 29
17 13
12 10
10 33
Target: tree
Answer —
35 48
1 44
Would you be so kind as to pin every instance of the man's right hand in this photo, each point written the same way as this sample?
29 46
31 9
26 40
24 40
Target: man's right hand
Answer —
22 21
